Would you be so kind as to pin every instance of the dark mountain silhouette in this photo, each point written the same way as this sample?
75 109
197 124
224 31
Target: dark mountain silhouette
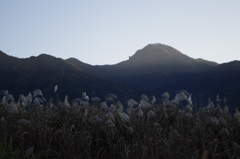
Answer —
150 68
8 62
157 68
224 80
152 58
161 68
165 56
21 76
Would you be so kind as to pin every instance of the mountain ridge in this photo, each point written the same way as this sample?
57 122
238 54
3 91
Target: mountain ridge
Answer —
45 71
199 76
156 68
151 59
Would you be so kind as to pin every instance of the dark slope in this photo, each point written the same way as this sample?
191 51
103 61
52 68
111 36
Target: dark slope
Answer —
85 67
224 79
164 57
161 68
8 62
156 67
45 72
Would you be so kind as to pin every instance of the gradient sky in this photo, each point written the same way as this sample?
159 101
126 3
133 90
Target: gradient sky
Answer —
108 32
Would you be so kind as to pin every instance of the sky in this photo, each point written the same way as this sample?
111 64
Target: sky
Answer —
108 32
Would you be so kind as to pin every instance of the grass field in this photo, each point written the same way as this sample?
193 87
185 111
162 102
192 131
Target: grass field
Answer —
102 130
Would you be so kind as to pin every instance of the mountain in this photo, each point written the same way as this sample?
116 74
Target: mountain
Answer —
161 68
150 68
156 68
21 76
153 58
224 79
163 56
8 62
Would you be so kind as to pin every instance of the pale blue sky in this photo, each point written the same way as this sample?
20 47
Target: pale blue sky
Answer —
108 32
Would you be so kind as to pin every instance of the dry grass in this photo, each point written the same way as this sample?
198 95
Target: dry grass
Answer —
69 133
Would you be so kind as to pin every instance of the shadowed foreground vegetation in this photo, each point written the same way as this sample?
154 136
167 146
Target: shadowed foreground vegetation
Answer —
97 130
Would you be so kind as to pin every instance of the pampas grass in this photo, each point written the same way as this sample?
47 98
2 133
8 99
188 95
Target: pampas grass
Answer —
163 130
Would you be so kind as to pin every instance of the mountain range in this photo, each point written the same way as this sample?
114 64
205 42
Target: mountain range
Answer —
155 69
21 76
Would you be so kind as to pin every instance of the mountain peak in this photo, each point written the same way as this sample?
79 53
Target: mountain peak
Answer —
158 54
165 57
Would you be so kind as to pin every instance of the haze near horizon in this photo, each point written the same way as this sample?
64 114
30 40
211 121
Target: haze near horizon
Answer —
107 32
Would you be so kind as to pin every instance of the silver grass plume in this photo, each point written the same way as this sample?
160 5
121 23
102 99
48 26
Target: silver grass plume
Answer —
140 112
166 102
7 98
218 111
237 114
79 102
119 106
104 106
222 121
65 103
113 96
184 95
4 101
144 98
210 105
132 103
113 108
213 121
37 92
129 110
165 96
110 116
218 99
174 103
144 104
189 108
37 101
4 92
85 96
29 99
190 99
180 96
225 110
22 100
12 108
150 114
123 116
85 113
153 100
225 101
95 99
55 88
110 97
